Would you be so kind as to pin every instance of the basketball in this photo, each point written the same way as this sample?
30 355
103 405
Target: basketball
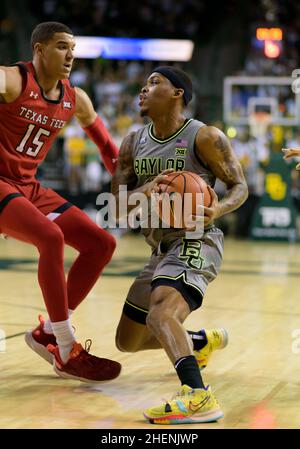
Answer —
172 207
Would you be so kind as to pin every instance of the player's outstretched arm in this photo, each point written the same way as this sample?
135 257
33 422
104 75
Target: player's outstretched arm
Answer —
10 84
214 149
95 129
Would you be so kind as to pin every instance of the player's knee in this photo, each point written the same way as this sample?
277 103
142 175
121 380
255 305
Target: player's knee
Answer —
104 244
123 344
55 236
156 318
52 237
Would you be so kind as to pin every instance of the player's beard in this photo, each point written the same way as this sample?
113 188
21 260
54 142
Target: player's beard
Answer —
143 113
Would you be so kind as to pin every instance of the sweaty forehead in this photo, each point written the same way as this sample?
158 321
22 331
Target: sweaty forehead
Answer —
158 75
63 37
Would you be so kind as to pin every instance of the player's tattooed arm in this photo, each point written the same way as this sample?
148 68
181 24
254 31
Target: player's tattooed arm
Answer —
10 84
214 149
124 175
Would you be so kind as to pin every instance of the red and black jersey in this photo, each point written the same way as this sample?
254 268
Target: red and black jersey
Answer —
29 125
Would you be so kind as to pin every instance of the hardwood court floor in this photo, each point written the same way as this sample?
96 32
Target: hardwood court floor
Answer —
256 378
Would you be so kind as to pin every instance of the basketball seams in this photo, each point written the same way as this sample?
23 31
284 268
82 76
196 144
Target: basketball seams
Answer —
193 175
182 196
169 184
187 182
173 179
196 178
187 175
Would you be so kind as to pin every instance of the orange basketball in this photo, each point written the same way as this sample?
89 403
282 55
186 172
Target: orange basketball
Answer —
179 197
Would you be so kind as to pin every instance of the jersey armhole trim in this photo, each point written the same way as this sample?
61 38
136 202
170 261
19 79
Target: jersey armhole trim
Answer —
24 74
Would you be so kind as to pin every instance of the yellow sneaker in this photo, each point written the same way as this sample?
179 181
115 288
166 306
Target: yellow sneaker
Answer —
188 406
216 339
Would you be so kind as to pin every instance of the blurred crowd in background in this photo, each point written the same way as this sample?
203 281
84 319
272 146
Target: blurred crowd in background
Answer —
74 167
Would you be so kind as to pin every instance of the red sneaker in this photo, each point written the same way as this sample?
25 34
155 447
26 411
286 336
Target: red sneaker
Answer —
84 366
38 340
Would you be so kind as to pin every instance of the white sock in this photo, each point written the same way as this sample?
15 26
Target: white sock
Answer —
47 324
65 338
47 327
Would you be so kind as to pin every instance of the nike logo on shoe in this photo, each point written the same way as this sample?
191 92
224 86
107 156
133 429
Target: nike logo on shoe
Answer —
195 406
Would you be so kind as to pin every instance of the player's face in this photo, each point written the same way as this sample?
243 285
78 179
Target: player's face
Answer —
155 95
58 55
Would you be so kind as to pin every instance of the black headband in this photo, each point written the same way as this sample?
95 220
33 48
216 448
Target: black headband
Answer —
177 80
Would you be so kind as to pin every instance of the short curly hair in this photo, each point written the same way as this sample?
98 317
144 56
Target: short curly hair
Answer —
44 31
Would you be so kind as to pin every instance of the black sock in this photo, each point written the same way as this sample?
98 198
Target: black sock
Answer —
188 372
198 338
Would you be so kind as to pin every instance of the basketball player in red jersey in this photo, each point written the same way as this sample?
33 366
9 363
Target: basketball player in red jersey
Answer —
36 101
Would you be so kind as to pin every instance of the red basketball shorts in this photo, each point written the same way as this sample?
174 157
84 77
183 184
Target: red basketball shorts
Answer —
45 200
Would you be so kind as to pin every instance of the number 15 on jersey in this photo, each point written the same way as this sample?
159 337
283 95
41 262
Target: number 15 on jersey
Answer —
33 152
